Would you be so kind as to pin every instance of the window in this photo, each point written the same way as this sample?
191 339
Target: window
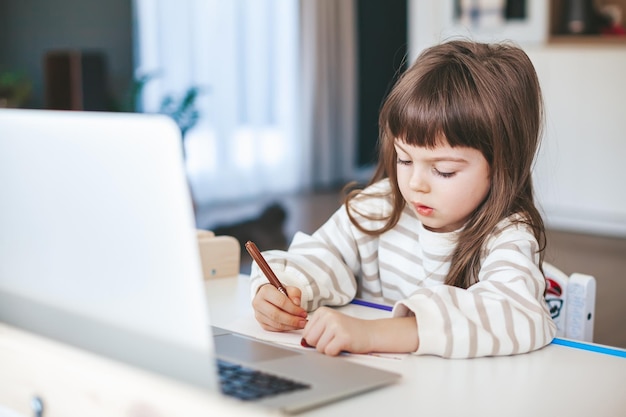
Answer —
243 56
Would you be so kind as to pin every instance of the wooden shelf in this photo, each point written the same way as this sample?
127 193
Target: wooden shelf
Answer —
557 33
587 39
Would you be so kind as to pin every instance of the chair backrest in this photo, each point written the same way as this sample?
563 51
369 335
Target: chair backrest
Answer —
219 255
572 301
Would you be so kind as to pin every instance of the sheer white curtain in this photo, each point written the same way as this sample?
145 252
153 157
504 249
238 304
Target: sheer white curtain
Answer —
329 89
278 77
243 54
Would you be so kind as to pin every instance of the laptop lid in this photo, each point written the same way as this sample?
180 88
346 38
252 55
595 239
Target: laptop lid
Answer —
99 250
95 212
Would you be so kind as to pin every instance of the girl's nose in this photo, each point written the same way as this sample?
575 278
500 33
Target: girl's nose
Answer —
418 182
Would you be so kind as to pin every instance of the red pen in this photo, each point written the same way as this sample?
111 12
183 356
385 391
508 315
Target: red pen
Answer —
269 274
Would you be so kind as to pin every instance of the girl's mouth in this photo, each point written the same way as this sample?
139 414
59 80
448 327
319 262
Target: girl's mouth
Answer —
423 210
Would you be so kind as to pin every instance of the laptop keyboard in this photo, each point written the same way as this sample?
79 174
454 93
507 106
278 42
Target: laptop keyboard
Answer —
250 384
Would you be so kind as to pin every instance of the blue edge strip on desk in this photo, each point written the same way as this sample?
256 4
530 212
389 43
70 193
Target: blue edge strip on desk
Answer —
591 347
556 341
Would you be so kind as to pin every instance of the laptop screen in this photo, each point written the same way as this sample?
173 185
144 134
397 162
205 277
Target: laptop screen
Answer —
98 241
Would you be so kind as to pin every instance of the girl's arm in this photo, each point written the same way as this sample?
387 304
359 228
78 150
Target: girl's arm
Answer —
503 313
323 265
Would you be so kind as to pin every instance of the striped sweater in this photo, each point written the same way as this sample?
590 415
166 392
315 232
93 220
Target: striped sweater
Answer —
503 313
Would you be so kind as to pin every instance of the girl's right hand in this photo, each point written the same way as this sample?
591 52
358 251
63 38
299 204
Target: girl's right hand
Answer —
277 313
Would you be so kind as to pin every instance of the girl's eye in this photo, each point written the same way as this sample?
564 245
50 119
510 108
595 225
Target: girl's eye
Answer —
403 162
444 174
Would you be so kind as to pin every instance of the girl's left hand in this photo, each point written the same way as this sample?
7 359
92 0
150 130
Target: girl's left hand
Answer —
331 332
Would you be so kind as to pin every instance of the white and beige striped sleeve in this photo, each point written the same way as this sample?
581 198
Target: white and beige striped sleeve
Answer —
322 265
504 313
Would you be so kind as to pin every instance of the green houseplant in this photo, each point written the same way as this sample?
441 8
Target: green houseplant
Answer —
182 110
15 89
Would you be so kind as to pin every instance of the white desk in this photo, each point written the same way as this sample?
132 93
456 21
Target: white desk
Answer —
554 381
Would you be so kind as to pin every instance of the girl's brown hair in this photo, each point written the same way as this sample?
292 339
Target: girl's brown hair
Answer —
482 96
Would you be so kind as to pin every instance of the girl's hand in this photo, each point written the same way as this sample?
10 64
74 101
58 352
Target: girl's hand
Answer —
277 313
331 332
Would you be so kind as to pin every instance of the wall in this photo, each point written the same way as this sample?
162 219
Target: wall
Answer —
30 28
580 170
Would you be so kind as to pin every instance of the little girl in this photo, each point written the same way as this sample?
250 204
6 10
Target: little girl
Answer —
447 230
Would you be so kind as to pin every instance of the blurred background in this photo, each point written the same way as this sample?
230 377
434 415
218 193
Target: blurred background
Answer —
277 102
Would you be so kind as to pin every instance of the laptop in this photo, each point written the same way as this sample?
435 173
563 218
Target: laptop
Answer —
98 250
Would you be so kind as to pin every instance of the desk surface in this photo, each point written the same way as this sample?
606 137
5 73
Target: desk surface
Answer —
557 380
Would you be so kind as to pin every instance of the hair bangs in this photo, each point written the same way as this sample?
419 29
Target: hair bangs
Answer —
414 118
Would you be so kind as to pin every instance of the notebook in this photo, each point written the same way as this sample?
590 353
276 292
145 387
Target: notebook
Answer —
99 250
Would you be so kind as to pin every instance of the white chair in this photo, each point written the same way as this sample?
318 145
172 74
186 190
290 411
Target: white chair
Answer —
219 255
571 300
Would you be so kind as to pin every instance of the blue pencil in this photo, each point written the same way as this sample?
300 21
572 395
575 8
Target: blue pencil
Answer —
371 304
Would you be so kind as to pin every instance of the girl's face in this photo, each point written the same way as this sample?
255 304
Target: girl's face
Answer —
443 185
